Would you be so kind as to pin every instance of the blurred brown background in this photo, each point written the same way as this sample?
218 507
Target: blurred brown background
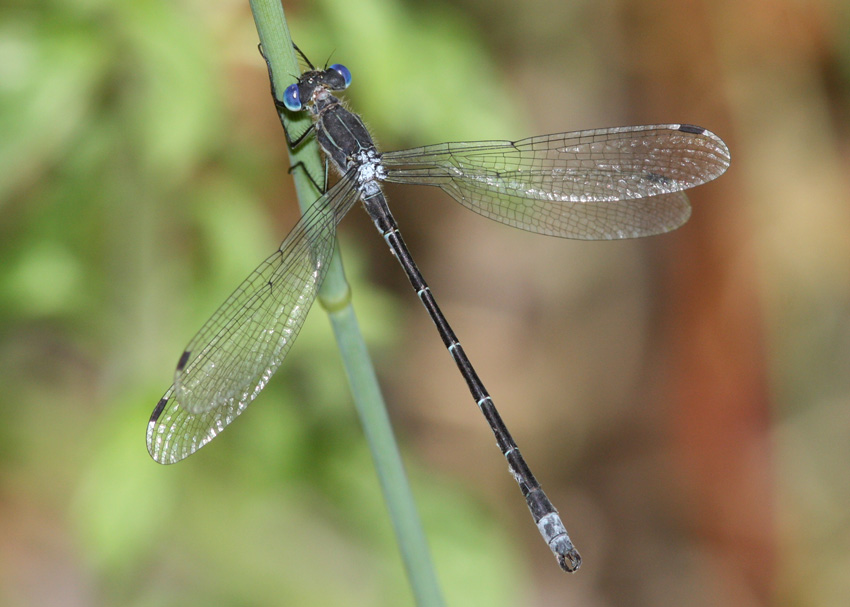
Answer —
685 399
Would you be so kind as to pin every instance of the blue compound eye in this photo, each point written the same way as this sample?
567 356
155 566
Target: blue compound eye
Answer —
292 98
342 71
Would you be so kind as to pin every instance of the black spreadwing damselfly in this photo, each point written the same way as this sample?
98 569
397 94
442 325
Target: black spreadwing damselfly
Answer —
601 184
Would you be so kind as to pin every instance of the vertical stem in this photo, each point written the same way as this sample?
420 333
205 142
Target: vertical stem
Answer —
335 297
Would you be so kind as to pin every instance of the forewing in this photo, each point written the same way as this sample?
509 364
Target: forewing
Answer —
240 347
622 182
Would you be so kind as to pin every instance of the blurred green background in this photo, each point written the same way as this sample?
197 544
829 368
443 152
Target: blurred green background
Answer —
685 400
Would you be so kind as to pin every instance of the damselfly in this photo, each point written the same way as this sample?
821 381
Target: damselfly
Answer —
600 184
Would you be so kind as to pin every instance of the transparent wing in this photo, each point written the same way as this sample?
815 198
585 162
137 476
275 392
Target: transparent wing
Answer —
240 347
600 184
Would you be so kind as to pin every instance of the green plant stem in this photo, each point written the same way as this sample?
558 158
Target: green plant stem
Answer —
335 297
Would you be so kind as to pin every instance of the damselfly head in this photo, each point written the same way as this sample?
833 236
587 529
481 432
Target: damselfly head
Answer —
313 83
